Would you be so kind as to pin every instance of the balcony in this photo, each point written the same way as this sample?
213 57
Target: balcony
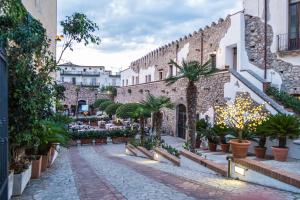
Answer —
79 73
91 85
288 42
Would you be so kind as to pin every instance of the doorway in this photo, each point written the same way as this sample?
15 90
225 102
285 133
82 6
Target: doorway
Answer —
181 121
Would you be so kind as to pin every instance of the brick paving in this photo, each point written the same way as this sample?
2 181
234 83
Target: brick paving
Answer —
105 172
89 184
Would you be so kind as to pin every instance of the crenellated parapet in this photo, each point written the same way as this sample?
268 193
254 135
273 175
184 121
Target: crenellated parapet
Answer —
173 46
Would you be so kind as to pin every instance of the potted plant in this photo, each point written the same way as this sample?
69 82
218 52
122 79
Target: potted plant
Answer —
100 137
260 136
212 139
22 174
86 137
281 127
201 125
243 116
221 132
10 183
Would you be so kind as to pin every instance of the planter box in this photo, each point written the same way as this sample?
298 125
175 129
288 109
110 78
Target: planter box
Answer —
163 156
10 184
20 181
36 168
45 160
101 141
119 140
145 153
86 141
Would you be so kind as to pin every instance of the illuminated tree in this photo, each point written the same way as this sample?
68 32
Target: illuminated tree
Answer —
243 115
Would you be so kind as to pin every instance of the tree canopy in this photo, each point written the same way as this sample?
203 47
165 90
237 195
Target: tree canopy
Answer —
98 102
78 28
104 105
112 108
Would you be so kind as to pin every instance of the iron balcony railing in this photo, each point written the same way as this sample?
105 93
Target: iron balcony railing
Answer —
288 42
89 84
79 73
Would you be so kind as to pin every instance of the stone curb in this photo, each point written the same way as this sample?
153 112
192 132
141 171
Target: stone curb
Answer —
166 155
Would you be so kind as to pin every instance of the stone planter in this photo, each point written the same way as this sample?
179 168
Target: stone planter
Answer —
101 141
212 147
119 140
239 149
20 181
86 141
280 154
260 152
10 184
36 168
225 147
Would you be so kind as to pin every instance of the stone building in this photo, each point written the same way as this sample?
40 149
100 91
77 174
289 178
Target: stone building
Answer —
87 76
248 56
81 96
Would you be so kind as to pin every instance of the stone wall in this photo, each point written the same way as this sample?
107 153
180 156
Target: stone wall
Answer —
254 35
160 57
85 93
210 93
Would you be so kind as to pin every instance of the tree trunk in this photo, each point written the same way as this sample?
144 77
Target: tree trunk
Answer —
142 126
157 118
191 96
282 142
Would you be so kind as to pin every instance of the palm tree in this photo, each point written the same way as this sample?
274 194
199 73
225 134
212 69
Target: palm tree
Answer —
191 71
155 105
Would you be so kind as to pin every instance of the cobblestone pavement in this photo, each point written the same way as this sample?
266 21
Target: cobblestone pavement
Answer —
56 183
105 172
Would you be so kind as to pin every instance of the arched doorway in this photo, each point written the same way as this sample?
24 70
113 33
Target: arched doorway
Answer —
181 121
81 104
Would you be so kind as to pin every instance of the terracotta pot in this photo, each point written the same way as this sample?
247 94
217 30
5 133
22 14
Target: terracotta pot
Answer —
280 154
260 152
198 143
212 147
86 141
101 141
119 140
36 168
225 148
239 150
44 162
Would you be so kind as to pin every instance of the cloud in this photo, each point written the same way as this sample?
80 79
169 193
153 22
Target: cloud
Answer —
138 26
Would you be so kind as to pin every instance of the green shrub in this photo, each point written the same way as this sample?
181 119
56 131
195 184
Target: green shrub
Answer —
112 108
102 134
170 150
281 127
150 143
98 102
104 105
285 99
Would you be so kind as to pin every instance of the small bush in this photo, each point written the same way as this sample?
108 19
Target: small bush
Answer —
285 99
171 150
102 134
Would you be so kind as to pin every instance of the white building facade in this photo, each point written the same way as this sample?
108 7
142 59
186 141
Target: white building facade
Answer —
87 76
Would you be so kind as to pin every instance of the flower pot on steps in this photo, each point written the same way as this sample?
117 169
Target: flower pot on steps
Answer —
280 154
239 149
260 152
225 148
212 146
36 168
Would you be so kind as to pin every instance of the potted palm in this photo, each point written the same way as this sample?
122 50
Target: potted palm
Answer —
260 136
281 127
243 116
222 132
191 71
212 139
201 126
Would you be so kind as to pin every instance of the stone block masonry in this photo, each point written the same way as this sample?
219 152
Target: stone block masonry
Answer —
85 93
210 92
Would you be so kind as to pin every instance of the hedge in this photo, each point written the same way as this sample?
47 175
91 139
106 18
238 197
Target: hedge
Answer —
102 134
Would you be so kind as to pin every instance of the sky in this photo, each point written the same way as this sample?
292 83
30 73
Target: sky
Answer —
129 29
